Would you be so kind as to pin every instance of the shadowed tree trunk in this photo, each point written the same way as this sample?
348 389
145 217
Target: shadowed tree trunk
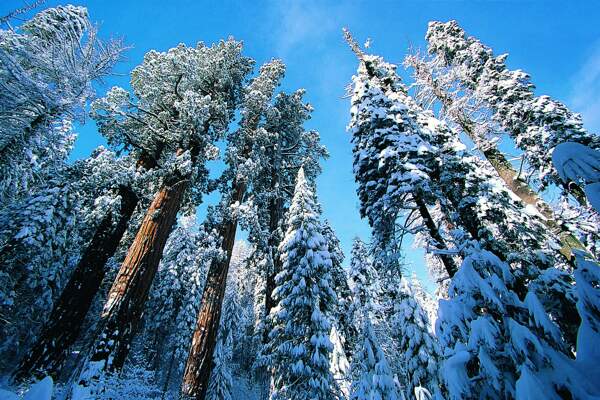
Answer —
433 231
275 215
199 364
127 296
64 325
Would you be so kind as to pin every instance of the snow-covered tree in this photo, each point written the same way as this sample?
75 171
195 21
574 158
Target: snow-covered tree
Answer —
300 345
392 161
418 349
175 297
243 156
437 85
42 238
484 217
182 101
47 66
371 375
536 123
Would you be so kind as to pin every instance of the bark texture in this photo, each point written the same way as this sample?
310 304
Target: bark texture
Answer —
127 296
199 364
64 325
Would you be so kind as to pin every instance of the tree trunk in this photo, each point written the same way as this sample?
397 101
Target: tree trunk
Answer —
275 213
127 296
63 327
447 259
510 177
200 359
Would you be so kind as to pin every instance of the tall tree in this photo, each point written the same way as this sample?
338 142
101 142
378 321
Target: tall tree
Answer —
41 241
184 100
384 139
243 153
484 217
220 385
537 124
175 297
300 344
435 82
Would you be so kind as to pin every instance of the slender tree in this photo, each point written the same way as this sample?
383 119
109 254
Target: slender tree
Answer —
300 344
242 154
435 83
389 187
537 124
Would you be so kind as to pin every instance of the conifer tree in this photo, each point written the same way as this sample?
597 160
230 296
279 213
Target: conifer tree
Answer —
436 82
175 297
200 88
372 377
363 277
243 155
41 241
300 344
537 124
484 218
385 139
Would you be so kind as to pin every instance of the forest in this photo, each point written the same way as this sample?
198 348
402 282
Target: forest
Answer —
115 284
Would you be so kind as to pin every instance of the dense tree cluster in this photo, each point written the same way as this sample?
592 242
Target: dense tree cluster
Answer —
116 281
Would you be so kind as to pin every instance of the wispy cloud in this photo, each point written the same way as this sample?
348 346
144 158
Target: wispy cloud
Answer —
585 96
297 25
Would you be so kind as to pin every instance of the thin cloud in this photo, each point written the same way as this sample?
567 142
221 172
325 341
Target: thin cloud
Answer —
584 96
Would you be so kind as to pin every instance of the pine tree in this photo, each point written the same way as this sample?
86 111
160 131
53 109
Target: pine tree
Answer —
372 377
385 138
175 297
364 279
436 82
300 344
484 217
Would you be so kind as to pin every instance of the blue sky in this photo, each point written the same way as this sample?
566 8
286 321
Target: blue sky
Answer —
557 42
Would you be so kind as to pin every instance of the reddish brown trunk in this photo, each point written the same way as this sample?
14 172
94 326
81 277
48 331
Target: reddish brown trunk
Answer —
199 363
63 327
127 296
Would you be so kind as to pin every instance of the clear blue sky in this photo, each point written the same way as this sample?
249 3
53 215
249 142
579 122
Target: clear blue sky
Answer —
557 42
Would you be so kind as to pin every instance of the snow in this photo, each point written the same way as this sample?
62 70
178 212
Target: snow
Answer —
41 390
592 192
576 162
